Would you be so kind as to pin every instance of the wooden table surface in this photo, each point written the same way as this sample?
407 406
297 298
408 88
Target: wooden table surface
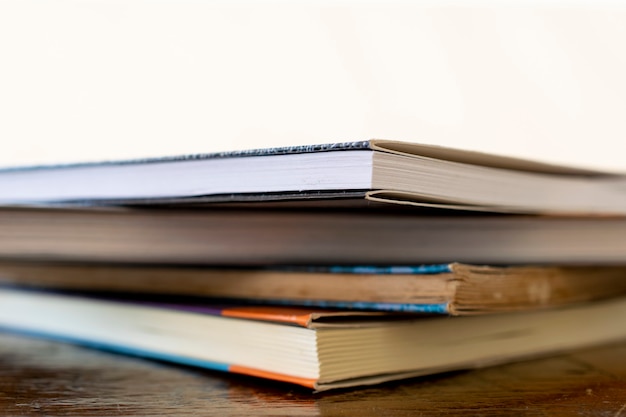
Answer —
45 378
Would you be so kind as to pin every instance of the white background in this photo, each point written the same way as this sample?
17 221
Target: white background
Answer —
126 78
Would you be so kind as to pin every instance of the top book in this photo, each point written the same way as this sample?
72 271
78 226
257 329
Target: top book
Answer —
375 170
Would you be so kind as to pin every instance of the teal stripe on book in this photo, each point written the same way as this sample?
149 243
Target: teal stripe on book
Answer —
126 350
362 305
370 269
200 363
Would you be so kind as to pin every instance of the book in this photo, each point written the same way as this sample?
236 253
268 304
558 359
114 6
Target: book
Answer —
319 350
454 289
382 171
306 237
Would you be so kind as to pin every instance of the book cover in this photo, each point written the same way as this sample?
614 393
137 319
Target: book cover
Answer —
453 289
265 237
315 349
376 170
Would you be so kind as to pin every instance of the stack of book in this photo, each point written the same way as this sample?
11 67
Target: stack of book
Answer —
325 266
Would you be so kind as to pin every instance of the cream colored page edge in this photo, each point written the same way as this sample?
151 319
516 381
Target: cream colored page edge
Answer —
475 158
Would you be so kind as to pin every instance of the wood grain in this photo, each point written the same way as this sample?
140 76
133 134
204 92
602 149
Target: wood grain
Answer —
45 378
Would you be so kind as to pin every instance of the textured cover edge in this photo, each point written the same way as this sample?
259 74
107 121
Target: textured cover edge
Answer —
298 149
